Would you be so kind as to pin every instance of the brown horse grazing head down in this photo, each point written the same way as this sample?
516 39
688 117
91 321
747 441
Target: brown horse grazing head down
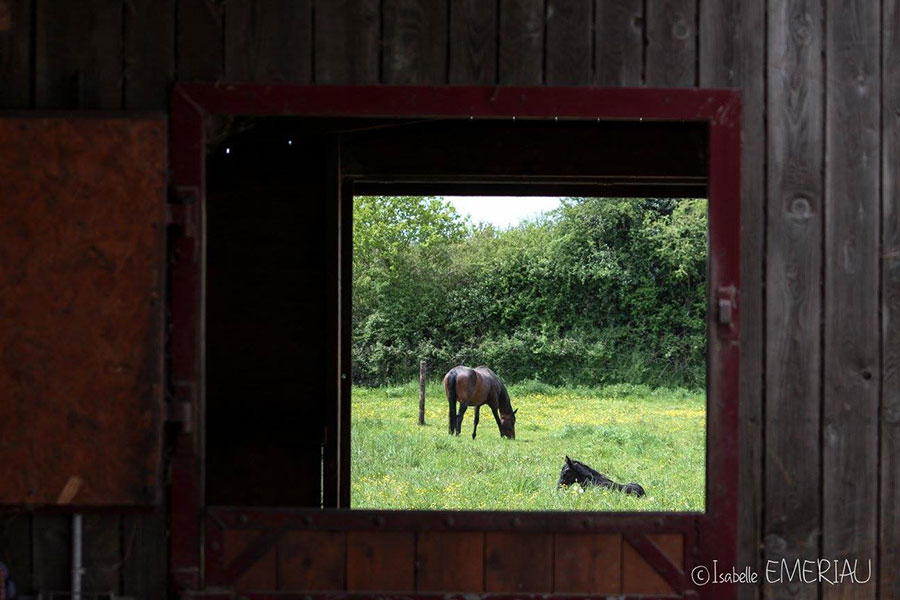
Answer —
508 425
475 387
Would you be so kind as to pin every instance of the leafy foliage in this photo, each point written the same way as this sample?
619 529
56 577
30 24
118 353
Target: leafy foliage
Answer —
601 291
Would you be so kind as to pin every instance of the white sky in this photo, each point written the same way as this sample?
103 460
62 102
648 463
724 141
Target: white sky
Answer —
502 211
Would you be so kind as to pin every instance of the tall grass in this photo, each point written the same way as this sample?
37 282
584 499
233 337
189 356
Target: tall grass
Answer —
631 433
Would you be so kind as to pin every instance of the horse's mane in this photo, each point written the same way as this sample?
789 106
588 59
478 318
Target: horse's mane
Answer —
503 399
505 404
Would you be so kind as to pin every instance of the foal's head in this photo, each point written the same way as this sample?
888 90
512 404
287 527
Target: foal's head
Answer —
573 471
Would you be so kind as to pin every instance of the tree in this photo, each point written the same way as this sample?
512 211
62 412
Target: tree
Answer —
603 290
401 257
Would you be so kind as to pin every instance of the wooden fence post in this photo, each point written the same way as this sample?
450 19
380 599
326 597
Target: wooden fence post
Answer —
421 392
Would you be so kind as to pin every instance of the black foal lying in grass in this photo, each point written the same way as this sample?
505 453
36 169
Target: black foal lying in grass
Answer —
574 470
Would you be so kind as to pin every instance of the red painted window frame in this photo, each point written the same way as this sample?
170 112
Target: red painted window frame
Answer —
709 536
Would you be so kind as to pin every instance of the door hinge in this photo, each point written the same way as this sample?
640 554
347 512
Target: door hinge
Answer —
180 409
726 309
182 211
180 413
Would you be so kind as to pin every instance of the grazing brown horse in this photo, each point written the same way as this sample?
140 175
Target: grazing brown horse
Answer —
474 387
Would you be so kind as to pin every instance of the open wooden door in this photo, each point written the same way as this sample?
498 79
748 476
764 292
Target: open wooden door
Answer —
82 305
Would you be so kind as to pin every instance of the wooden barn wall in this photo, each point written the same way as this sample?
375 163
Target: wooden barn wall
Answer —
820 389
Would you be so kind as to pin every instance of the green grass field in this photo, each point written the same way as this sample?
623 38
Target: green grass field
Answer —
629 433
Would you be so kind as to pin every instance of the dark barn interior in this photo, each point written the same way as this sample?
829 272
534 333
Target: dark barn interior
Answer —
265 258
819 477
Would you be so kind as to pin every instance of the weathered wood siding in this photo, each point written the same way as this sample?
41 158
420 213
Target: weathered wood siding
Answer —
820 389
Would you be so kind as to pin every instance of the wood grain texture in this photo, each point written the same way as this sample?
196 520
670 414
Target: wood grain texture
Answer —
348 44
145 554
15 53
78 54
83 289
519 563
587 563
450 561
732 45
569 46
262 574
15 548
473 42
415 42
521 42
638 577
149 53
269 41
201 40
852 350
311 561
382 561
792 459
618 42
51 544
671 43
889 535
102 553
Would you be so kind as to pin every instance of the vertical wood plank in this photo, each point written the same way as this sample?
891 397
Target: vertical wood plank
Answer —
201 40
381 561
671 43
450 562
78 54
311 561
473 42
51 542
518 563
102 553
415 42
793 286
521 42
15 548
569 45
852 358
149 53
144 555
587 563
889 536
348 44
732 49
720 44
618 42
15 53
268 41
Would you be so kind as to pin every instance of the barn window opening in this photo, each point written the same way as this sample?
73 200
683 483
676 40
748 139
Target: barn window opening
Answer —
591 315
340 258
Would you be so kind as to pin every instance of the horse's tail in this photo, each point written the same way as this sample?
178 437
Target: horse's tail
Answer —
450 390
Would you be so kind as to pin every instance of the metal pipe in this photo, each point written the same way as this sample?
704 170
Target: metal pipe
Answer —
77 569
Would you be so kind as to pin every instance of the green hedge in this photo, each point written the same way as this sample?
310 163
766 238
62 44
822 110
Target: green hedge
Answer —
601 291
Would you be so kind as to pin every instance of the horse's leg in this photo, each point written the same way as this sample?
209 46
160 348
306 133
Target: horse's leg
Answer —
497 417
462 410
477 412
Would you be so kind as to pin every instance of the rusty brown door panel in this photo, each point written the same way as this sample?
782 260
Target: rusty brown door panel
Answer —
82 249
